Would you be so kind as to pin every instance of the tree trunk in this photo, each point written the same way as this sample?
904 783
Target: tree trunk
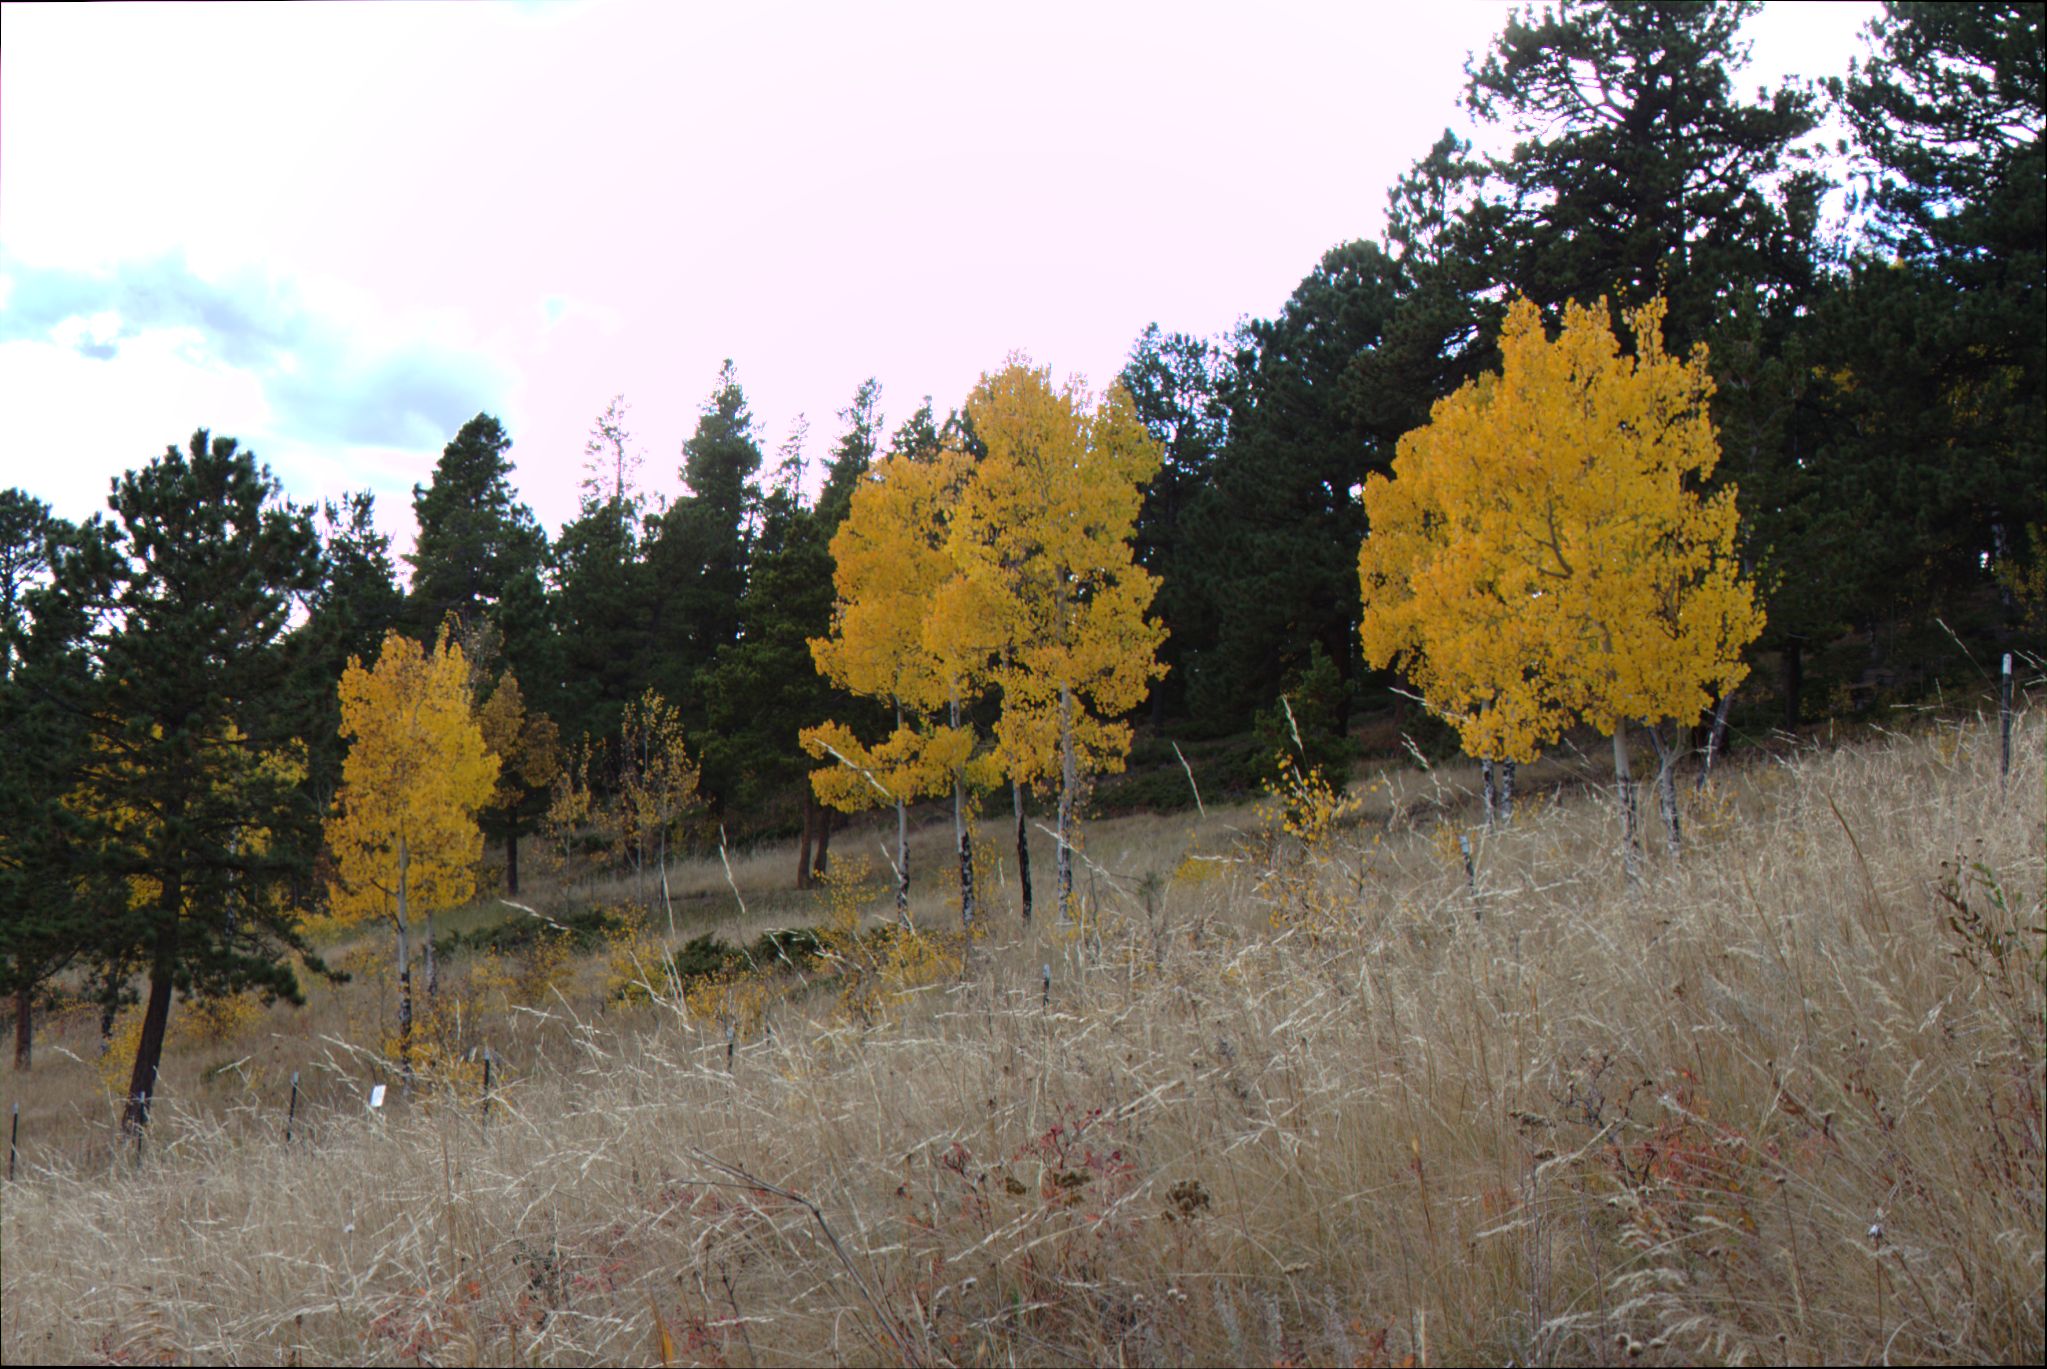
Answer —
903 862
149 1050
1624 787
826 816
433 964
667 902
1666 785
1485 770
24 1028
803 847
1716 736
1023 851
902 846
404 962
959 828
512 857
1068 780
1506 793
1794 680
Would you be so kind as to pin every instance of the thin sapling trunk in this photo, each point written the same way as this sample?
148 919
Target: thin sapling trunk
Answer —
24 1028
1023 850
959 827
1069 780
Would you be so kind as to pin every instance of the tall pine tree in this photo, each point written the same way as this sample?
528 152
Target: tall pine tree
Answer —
204 817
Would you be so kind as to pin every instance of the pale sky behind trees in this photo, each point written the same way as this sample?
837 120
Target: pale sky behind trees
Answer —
337 231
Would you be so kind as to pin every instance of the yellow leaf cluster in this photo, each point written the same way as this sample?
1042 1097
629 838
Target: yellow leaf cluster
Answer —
1046 584
1544 556
657 780
417 770
891 559
527 745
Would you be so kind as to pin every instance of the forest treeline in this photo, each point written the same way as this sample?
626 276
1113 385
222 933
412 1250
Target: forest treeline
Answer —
172 695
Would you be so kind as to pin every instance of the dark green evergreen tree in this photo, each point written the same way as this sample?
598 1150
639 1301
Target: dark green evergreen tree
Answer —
1637 171
1933 354
1178 383
356 603
697 557
1273 536
602 598
475 537
191 594
917 435
51 918
762 690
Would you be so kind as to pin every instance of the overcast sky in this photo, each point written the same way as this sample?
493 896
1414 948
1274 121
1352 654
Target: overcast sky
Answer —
337 231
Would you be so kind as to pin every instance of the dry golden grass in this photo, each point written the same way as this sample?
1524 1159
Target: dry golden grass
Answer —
1782 1103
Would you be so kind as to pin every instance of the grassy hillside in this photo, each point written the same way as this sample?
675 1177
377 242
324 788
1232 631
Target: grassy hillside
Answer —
1308 1097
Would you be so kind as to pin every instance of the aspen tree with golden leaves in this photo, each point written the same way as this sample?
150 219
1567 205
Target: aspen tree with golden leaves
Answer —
1544 555
890 560
528 748
658 785
404 838
1046 585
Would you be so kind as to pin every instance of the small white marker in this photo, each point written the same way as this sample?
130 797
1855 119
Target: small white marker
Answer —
377 1095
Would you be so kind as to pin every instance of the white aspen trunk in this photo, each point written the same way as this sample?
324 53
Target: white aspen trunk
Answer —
902 847
1069 779
1506 793
1624 786
433 964
903 862
1666 785
1715 736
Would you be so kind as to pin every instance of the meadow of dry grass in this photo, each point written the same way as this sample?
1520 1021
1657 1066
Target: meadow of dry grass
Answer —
1287 1103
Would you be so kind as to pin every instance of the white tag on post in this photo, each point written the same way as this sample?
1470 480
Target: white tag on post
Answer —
377 1095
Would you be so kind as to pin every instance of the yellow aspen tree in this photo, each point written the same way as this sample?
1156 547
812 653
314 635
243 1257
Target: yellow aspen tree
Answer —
1046 582
404 838
890 559
528 748
657 785
1545 554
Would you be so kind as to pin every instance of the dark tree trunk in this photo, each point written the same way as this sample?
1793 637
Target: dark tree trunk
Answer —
822 863
24 1028
1023 851
512 858
1486 781
966 841
803 847
1794 680
149 1050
